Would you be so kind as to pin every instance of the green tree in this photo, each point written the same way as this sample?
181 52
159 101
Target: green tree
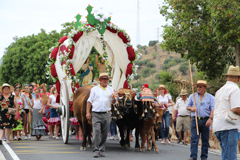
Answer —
172 63
183 68
151 65
154 54
192 35
165 67
167 60
152 71
146 52
24 59
152 43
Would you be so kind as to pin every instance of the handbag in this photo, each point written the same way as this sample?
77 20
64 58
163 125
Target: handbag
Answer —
12 111
231 117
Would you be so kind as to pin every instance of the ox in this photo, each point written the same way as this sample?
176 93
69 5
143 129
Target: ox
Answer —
79 109
127 116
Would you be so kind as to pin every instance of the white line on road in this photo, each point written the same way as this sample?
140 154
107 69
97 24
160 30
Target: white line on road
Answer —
10 151
198 148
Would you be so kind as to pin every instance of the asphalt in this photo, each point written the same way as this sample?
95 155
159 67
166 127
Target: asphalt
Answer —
55 149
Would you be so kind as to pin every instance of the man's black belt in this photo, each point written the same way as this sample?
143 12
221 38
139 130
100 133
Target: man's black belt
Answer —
201 118
184 115
100 112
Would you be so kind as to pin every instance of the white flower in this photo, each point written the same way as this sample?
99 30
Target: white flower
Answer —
101 13
97 17
105 17
101 20
47 77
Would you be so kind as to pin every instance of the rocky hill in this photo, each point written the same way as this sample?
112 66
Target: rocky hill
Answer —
154 59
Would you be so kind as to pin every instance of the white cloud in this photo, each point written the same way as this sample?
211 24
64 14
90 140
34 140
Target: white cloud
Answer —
27 17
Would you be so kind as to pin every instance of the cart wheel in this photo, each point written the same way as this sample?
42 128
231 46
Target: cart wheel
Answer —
64 109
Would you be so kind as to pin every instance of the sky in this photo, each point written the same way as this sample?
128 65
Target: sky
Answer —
27 17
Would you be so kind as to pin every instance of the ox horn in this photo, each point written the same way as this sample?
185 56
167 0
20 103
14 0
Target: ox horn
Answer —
143 115
157 115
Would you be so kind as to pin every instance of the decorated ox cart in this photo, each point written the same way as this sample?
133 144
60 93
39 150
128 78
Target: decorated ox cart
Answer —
71 52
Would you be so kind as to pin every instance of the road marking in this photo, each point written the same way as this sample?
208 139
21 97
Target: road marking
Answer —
10 151
198 148
2 156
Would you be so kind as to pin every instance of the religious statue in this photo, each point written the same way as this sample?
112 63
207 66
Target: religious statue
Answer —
101 66
87 75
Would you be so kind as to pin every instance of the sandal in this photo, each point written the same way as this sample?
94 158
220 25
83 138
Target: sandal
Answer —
163 141
7 141
50 136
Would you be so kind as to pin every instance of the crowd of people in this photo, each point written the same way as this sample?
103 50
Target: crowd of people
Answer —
34 112
31 111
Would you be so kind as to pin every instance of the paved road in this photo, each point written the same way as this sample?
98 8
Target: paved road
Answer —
54 149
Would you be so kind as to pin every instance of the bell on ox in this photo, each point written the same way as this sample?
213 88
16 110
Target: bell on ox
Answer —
145 110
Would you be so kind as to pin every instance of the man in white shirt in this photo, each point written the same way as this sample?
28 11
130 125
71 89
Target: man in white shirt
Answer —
227 103
183 118
100 99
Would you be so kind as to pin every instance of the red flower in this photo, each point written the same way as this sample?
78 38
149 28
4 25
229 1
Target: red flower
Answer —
48 113
19 103
8 103
44 114
47 108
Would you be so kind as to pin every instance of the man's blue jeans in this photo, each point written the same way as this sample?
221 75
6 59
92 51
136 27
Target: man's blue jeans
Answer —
165 131
113 128
228 140
204 131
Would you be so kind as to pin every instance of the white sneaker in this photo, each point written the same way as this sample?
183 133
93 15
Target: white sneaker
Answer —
116 137
111 138
57 138
26 138
53 137
29 136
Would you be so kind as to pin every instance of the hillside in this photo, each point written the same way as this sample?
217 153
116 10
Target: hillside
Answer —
154 59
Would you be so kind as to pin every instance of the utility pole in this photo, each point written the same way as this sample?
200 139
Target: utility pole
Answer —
138 25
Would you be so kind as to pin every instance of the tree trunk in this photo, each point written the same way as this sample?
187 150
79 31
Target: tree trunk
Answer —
237 54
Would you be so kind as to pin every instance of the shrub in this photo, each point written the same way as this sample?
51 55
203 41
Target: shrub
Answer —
179 60
165 67
145 70
151 65
174 72
154 55
152 43
172 63
146 61
167 60
146 75
145 52
183 68
140 63
153 71
158 77
171 57
137 77
136 85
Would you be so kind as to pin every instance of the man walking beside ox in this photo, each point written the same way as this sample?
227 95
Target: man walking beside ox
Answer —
100 99
183 118
226 123
204 110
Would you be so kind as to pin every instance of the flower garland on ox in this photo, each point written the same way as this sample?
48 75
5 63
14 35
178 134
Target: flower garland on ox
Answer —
101 23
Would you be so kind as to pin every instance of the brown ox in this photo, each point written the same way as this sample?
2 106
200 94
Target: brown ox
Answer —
79 109
148 129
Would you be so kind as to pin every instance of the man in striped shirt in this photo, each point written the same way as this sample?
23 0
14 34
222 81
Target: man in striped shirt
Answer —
227 101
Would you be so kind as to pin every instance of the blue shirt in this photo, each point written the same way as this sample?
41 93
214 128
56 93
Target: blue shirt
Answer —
205 108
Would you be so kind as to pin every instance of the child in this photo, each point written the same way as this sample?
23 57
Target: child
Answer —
38 126
78 130
27 103
54 120
17 128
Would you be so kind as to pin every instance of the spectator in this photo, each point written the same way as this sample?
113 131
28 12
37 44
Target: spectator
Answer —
183 118
54 120
7 101
204 110
31 90
165 102
38 126
28 104
227 103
